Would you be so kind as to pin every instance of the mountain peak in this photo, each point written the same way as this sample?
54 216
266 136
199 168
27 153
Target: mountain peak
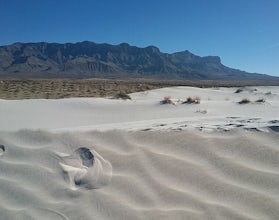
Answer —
152 49
212 59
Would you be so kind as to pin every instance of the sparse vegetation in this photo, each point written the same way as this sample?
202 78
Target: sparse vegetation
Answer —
65 88
202 111
194 100
122 95
262 100
238 91
166 100
244 101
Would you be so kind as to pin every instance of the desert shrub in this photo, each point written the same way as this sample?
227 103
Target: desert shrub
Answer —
238 91
194 100
122 95
202 111
244 101
262 100
166 100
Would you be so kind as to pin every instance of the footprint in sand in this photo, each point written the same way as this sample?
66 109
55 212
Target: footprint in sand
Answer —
86 156
2 149
85 168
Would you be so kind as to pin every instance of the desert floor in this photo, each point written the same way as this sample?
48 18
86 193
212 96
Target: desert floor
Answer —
217 159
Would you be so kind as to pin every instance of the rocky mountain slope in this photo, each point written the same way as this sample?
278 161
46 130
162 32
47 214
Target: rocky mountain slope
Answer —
90 60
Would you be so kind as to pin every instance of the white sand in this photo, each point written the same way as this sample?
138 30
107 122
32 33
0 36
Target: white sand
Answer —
144 111
161 162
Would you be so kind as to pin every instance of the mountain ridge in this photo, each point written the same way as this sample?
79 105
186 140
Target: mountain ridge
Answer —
91 60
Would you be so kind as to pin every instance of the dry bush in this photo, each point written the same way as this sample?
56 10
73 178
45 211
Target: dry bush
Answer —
238 91
202 111
244 101
262 100
122 95
166 100
194 100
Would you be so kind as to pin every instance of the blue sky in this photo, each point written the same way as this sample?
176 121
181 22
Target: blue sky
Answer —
244 33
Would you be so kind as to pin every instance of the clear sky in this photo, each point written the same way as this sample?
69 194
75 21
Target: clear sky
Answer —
244 33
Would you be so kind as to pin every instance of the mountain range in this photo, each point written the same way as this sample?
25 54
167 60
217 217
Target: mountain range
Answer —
91 60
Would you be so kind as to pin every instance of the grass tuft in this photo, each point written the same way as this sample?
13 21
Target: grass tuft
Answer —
262 100
194 100
122 95
244 101
238 91
166 100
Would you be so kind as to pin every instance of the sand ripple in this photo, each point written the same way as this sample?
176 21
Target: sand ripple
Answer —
140 175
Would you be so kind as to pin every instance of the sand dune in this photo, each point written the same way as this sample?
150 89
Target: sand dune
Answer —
144 111
112 159
155 175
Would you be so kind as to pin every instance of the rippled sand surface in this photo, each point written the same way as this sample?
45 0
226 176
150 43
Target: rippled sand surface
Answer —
100 158
149 175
